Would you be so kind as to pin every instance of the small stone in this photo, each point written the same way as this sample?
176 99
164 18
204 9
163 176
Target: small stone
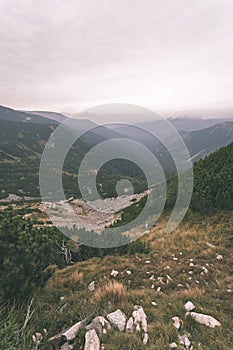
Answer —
177 322
114 273
173 345
130 325
129 272
189 306
184 340
154 303
145 338
219 257
91 286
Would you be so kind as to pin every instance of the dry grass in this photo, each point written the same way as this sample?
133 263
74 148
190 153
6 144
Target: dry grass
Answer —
112 291
66 281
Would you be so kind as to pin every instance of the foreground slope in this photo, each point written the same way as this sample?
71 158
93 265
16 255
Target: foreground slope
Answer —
193 263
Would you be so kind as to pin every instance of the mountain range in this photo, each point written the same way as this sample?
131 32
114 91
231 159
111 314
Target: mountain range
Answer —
24 134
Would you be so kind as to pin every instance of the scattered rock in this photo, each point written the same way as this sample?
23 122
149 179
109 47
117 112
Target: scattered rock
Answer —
91 286
37 338
140 319
114 273
130 325
210 245
160 280
184 340
145 338
173 345
100 325
147 262
204 269
153 303
205 319
177 322
219 257
68 334
117 319
189 306
92 341
129 272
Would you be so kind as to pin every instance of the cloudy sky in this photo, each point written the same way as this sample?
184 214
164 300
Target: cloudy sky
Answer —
163 54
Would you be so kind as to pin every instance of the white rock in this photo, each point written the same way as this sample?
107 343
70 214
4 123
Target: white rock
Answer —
114 273
145 338
37 338
152 278
129 272
204 269
205 319
153 303
169 278
177 322
92 341
117 319
91 286
130 325
184 340
219 257
140 318
62 298
173 345
160 280
210 245
99 324
189 306
147 262
159 289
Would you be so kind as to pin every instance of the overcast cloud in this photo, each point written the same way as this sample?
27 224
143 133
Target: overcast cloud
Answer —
72 54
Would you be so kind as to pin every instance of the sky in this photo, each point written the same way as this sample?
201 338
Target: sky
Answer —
70 55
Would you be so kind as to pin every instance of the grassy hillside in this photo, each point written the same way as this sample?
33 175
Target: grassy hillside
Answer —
187 260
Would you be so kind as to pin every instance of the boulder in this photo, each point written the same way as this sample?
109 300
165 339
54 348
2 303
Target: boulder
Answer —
117 319
205 319
92 341
99 324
